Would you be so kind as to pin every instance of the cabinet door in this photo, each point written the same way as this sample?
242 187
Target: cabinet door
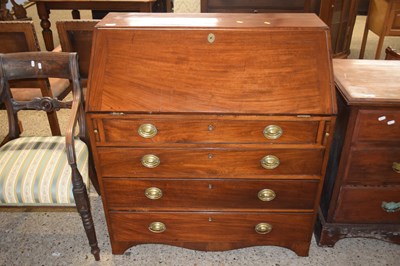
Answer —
340 16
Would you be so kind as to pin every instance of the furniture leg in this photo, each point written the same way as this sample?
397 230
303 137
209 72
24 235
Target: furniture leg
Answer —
364 40
44 13
75 14
379 47
83 206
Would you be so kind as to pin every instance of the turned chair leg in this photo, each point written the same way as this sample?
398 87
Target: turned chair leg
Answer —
83 206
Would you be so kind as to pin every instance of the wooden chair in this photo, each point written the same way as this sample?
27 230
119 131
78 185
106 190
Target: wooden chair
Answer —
76 36
392 54
20 36
46 172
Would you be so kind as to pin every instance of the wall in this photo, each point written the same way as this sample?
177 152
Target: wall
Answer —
187 6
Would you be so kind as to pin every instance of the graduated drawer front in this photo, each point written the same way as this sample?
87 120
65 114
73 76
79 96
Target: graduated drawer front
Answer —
187 129
210 227
129 194
378 166
208 162
377 126
365 205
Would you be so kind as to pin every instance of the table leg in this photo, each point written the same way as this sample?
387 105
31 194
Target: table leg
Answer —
44 13
168 6
76 14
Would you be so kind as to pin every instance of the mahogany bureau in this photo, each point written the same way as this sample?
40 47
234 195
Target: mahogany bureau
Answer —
211 131
361 196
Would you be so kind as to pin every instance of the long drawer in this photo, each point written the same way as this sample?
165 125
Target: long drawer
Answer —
210 194
374 166
132 130
210 227
369 205
208 162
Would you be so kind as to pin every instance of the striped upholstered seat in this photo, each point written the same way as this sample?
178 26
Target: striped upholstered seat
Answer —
35 171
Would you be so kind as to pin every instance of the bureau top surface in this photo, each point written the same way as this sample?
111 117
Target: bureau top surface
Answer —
211 63
369 82
211 20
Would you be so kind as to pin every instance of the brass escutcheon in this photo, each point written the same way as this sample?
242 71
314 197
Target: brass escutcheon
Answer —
211 37
150 161
266 194
147 131
153 193
272 132
157 227
263 228
270 162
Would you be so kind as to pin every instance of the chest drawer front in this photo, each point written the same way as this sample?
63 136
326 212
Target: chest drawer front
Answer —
208 162
210 227
186 129
376 166
129 194
378 126
369 205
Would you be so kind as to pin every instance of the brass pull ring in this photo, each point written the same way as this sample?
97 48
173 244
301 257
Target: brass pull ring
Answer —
270 162
396 167
147 131
273 132
390 206
153 193
263 228
150 161
157 227
266 194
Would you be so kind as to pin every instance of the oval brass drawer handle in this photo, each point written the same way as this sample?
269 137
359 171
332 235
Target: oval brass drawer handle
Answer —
270 162
272 132
263 228
266 194
150 161
390 206
153 193
396 167
157 227
147 131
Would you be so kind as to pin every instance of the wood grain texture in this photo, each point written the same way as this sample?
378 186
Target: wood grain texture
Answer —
206 129
221 79
196 163
366 148
210 194
247 70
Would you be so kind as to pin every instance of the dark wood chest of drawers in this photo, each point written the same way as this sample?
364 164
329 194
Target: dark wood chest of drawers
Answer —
209 131
361 196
